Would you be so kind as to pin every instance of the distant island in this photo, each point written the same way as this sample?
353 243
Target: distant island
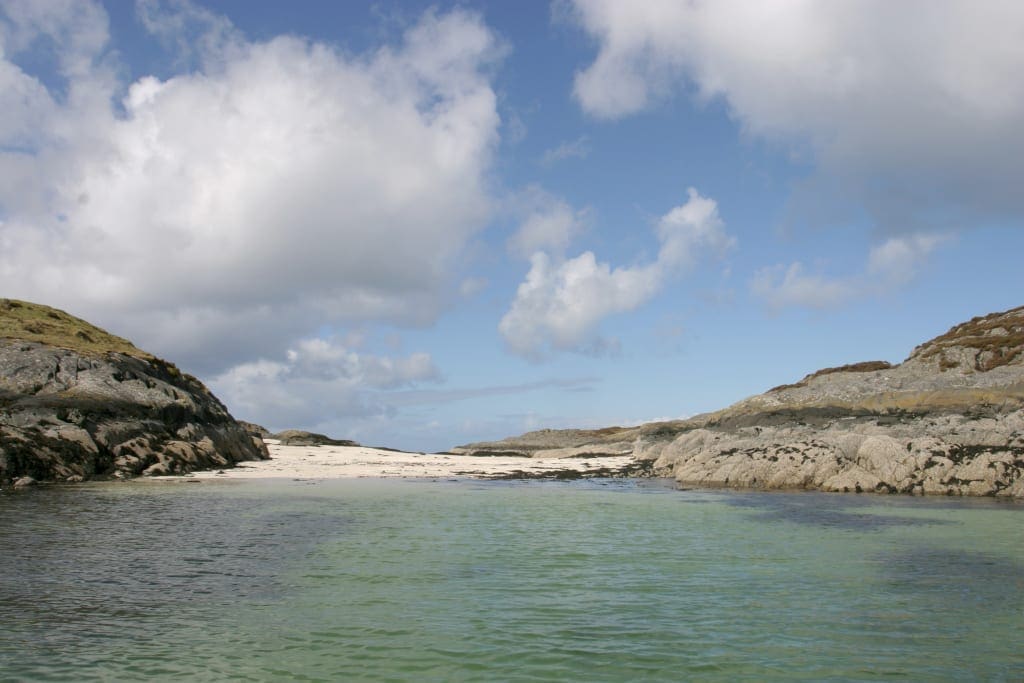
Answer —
78 403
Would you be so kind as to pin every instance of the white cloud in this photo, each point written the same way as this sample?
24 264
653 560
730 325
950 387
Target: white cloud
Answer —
281 181
560 304
194 32
787 286
690 229
574 149
548 223
889 265
319 380
75 32
635 57
897 259
323 359
910 109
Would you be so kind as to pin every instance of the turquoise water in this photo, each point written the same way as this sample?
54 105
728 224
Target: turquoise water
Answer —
493 581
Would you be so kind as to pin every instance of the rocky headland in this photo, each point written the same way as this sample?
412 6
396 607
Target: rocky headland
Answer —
948 420
78 403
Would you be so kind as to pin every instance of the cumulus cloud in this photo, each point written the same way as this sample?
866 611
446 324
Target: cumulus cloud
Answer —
909 110
691 229
278 181
319 380
560 304
890 264
547 223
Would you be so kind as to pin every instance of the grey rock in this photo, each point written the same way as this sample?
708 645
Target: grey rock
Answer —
296 437
947 421
258 430
76 414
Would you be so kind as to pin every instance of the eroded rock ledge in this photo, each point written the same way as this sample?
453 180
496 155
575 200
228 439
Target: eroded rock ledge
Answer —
949 420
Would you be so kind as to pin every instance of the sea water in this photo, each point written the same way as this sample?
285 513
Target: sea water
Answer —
601 580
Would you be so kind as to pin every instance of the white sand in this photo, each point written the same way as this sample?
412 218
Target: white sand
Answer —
350 462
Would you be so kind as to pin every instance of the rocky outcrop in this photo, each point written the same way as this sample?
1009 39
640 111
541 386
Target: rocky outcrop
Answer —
77 403
948 420
556 443
258 430
297 437
919 454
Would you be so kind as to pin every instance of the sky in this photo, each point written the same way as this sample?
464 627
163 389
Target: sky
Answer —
424 224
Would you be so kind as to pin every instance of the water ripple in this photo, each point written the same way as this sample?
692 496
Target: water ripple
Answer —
594 581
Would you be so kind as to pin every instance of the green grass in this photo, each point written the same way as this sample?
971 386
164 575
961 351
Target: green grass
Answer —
31 322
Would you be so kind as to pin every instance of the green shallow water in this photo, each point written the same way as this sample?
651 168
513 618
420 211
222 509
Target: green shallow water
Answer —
487 581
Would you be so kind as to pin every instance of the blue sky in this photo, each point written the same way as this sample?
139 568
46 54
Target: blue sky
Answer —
422 224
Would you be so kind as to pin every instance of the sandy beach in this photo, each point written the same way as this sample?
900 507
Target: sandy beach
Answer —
352 462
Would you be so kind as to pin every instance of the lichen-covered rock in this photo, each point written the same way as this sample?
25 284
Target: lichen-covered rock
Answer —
77 403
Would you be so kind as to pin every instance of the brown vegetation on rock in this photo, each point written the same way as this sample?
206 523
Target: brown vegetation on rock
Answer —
865 366
991 341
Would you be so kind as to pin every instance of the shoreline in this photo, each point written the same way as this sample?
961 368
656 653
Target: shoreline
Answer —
358 462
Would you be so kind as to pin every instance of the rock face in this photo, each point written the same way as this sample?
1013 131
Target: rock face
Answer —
948 420
78 403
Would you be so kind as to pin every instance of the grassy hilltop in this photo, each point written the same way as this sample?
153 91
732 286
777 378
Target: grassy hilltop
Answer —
31 322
